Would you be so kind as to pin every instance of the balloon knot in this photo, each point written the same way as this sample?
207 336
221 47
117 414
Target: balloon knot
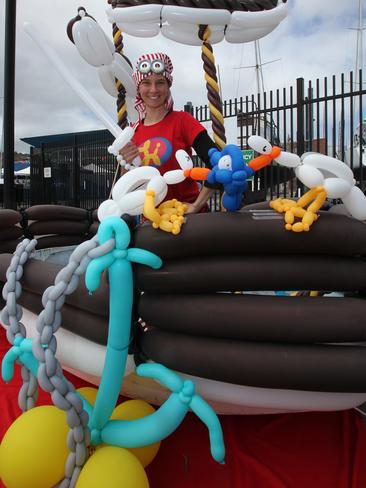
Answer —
95 437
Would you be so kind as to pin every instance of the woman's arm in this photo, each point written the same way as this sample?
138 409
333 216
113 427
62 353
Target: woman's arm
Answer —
202 144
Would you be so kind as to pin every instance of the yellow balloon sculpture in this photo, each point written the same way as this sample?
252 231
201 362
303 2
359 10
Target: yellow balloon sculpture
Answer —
112 467
131 410
33 451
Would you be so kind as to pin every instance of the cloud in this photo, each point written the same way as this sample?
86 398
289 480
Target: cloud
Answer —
313 42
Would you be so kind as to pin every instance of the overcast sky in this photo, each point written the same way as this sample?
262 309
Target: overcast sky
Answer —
314 41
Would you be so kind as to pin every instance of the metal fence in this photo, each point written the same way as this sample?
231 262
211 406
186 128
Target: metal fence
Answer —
78 173
324 116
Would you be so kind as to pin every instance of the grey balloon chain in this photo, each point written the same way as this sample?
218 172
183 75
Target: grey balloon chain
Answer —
50 376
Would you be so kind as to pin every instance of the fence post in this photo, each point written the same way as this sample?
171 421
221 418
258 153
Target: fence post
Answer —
76 169
300 105
188 107
8 118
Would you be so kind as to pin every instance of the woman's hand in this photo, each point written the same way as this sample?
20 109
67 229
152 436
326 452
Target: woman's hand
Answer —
191 208
129 152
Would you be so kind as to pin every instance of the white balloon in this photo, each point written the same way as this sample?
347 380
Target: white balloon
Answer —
108 208
65 73
306 154
330 165
309 176
355 203
123 74
158 185
139 29
262 18
174 176
107 80
132 113
188 34
133 180
288 159
336 187
91 42
139 13
103 46
237 35
260 144
184 159
123 138
132 203
191 15
81 41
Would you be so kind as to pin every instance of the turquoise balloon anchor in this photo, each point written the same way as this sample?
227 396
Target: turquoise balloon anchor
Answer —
161 423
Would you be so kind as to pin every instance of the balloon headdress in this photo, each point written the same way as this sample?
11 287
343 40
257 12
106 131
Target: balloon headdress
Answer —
146 65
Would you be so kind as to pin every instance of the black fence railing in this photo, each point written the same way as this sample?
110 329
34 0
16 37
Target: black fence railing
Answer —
324 116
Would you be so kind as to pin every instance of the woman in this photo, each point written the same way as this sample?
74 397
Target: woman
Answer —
161 131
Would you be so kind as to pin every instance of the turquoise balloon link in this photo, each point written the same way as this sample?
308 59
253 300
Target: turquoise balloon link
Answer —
186 393
20 351
162 374
146 430
160 424
208 416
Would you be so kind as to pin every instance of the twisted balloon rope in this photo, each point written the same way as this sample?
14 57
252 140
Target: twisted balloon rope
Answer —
213 90
121 98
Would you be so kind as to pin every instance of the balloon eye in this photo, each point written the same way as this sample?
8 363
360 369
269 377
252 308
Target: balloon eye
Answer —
144 67
157 67
225 162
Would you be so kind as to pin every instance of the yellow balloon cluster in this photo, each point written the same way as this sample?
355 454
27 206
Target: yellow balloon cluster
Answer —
168 216
33 451
295 210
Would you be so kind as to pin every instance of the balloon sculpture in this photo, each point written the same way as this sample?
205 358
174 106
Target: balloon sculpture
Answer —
143 190
96 422
230 169
325 177
92 424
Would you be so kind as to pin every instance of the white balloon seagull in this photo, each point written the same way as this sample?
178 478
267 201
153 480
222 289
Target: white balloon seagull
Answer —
325 177
142 190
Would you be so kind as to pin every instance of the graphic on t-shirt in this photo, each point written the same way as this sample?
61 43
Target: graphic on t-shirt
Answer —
155 151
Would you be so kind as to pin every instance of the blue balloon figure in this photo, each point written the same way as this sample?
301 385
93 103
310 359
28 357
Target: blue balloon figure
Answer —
229 169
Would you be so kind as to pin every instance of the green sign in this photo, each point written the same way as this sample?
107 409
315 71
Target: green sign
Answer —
248 155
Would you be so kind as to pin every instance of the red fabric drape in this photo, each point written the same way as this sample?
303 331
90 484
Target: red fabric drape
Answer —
304 450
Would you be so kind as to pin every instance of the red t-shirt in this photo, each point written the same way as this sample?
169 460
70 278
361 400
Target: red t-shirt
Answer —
158 144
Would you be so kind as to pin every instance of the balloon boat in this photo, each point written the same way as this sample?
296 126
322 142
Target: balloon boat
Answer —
200 326
206 313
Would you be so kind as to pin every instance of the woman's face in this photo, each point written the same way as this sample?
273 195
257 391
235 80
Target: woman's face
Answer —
154 90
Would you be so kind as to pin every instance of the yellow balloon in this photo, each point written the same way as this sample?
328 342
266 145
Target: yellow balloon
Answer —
131 410
89 393
33 451
112 467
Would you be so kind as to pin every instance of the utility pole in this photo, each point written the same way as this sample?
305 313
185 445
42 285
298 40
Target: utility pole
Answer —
8 113
258 67
359 44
